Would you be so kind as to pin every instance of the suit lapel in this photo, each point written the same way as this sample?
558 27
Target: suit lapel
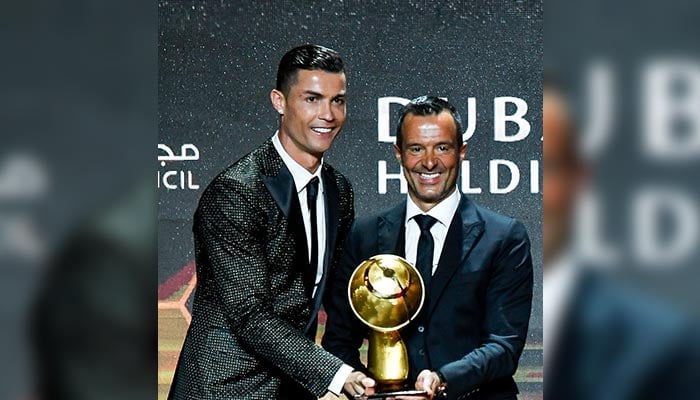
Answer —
390 231
464 232
279 182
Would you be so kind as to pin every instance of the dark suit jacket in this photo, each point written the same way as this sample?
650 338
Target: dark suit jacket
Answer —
474 322
617 344
252 321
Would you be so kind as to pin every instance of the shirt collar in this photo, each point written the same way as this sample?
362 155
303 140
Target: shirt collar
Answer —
443 211
300 174
560 274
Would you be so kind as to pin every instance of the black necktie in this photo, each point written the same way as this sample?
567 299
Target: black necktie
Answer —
426 246
311 194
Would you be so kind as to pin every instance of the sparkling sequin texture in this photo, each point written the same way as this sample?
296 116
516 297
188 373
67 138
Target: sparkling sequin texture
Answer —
247 337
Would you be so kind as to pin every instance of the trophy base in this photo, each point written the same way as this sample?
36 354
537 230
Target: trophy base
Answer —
390 389
385 395
391 386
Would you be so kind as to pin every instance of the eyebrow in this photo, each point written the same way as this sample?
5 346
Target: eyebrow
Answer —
312 93
436 144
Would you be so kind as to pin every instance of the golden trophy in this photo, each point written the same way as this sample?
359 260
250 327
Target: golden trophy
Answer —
386 292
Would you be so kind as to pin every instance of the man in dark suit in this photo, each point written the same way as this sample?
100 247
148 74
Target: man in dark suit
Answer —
266 233
603 337
476 264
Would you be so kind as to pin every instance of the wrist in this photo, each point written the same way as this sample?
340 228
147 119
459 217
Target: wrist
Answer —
443 380
441 392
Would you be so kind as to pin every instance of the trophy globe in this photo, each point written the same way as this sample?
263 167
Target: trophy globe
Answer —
386 292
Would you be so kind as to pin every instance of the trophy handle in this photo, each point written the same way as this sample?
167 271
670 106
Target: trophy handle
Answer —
387 360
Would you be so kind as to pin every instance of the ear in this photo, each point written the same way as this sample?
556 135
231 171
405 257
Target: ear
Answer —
278 101
397 153
462 152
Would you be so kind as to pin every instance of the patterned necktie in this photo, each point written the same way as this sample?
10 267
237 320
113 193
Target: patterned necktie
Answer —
311 194
426 246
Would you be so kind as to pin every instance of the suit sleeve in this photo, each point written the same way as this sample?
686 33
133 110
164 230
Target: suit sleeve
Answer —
505 324
344 331
232 236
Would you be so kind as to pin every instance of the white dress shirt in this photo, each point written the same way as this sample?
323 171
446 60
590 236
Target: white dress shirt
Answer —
301 178
558 282
443 212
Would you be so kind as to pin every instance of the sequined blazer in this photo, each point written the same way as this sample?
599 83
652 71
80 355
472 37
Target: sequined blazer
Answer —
252 320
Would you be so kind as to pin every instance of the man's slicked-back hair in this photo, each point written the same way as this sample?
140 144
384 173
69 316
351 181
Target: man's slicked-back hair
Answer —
308 57
424 106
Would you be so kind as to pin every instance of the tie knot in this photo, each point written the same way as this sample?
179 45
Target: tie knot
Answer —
312 190
425 222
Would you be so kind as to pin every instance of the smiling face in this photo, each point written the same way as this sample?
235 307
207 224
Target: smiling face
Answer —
430 157
312 115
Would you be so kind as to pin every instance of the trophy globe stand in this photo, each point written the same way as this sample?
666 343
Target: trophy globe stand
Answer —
386 293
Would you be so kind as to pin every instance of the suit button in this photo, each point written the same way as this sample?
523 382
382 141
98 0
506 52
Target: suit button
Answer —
421 351
421 329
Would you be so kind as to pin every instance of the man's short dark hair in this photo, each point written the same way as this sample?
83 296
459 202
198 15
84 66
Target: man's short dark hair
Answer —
308 57
428 105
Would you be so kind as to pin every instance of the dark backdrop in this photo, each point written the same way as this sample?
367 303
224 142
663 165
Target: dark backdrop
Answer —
217 65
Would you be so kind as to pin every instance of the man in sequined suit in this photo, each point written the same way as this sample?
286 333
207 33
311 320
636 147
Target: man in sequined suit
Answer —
267 231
